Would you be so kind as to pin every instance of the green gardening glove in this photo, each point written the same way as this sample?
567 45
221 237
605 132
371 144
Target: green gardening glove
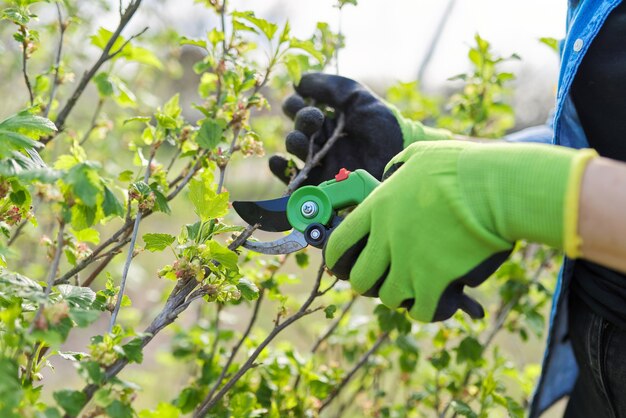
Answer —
448 214
373 133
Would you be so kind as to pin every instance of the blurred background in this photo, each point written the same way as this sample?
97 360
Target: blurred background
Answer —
386 42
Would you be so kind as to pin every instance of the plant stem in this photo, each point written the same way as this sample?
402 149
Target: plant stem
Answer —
302 175
94 120
333 395
23 31
57 61
131 248
104 57
329 331
304 310
233 353
50 282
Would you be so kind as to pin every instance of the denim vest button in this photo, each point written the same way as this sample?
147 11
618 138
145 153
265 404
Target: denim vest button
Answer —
578 45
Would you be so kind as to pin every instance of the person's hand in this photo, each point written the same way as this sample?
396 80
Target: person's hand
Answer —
448 214
373 132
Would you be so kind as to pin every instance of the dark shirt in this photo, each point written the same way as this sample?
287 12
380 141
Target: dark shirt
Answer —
599 93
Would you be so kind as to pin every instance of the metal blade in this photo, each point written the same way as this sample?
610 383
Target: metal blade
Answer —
285 245
271 215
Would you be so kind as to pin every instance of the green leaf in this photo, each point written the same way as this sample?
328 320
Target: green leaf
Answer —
141 119
221 254
268 29
133 350
163 410
104 84
83 216
84 317
21 286
207 203
142 56
248 289
77 296
330 310
85 183
294 69
72 401
117 409
440 360
94 371
308 47
463 409
10 384
101 38
110 205
215 36
172 107
552 43
210 133
302 259
28 124
158 242
469 350
87 235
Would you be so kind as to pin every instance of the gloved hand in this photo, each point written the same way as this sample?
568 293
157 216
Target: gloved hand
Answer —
374 131
448 214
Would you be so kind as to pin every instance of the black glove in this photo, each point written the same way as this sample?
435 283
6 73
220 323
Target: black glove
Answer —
372 134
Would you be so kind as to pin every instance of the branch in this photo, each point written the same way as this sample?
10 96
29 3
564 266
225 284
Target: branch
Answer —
333 395
334 325
57 61
131 248
237 346
302 175
23 31
104 57
502 315
94 120
53 269
304 310
329 331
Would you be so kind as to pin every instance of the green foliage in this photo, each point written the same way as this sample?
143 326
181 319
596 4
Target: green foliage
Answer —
131 151
480 109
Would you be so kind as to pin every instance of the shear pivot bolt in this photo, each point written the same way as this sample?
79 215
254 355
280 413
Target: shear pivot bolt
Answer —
309 209
315 233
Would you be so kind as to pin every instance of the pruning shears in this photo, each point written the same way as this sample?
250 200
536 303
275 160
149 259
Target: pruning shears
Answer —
310 212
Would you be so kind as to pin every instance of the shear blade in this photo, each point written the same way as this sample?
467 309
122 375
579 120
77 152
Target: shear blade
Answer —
288 244
271 215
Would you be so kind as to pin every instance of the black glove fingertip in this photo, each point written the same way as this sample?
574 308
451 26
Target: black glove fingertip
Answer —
292 105
280 168
471 307
309 120
297 143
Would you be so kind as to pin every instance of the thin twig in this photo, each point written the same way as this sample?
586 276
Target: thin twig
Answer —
94 120
108 257
57 60
503 313
304 310
17 232
23 31
131 248
333 395
233 353
302 175
329 331
51 274
104 57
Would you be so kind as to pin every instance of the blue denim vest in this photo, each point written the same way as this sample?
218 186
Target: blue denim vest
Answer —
584 20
